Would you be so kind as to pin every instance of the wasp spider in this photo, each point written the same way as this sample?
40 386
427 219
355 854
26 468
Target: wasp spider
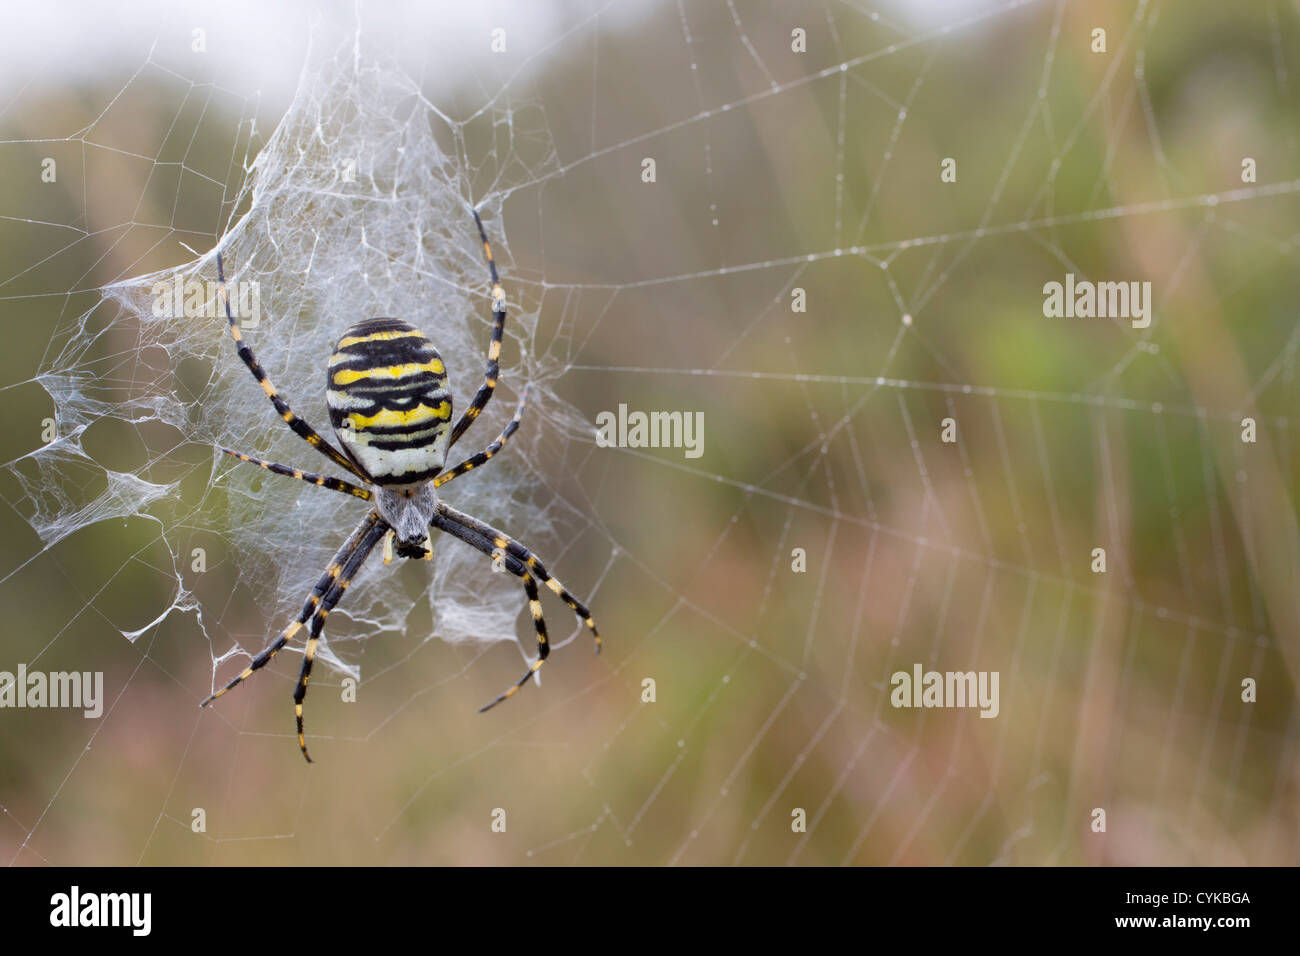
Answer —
391 410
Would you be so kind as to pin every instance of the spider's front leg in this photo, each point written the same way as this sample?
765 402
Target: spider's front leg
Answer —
320 591
335 594
515 567
522 563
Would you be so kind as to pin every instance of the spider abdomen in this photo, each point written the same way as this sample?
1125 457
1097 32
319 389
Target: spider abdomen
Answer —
389 402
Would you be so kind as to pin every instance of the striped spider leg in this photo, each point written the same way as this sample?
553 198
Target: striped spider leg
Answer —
296 424
522 563
493 369
327 592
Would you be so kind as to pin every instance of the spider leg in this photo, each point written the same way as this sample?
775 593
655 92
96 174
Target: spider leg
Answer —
323 586
350 567
296 424
516 567
543 643
498 443
325 481
484 392
490 540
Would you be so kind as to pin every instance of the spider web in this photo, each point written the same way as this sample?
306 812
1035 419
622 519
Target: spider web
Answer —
777 173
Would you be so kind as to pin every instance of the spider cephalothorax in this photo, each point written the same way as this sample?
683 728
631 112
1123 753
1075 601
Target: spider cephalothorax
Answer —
391 410
409 512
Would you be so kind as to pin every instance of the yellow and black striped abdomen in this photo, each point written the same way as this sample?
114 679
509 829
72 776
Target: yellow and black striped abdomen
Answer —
389 402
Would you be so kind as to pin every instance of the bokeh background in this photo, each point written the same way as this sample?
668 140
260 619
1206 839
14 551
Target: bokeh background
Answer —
775 170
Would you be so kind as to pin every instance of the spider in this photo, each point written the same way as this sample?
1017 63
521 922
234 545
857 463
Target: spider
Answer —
390 407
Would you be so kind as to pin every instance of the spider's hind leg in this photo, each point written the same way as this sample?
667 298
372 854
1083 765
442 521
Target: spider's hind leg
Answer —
497 444
493 367
325 481
297 425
